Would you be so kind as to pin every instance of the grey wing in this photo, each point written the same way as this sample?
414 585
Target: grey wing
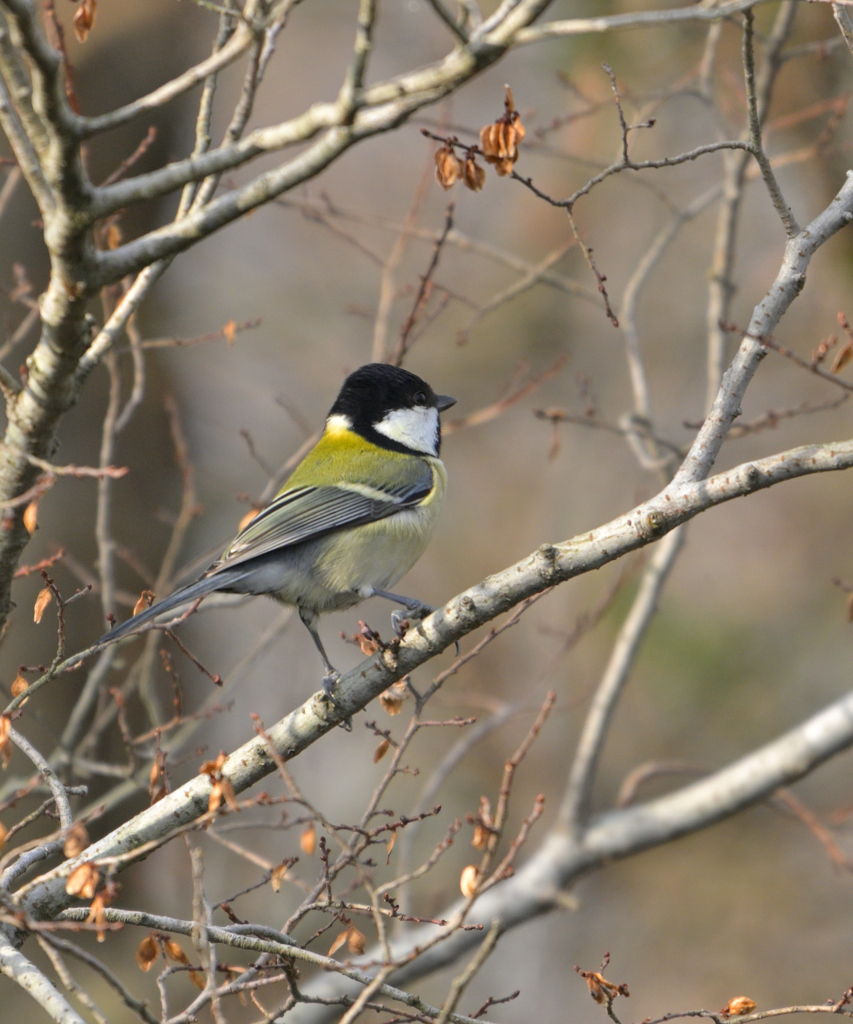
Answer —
306 513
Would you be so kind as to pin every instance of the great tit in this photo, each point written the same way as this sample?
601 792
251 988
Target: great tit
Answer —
352 519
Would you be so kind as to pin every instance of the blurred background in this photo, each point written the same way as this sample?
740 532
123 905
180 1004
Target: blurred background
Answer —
752 632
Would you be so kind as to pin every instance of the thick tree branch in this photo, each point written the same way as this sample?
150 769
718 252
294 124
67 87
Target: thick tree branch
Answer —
549 565
78 271
562 859
24 973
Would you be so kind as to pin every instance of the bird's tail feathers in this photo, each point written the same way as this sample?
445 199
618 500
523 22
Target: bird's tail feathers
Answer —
202 587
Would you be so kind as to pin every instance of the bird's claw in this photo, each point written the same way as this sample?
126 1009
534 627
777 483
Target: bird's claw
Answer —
400 619
330 681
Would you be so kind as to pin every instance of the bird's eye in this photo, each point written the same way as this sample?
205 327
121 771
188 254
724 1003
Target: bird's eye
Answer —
420 398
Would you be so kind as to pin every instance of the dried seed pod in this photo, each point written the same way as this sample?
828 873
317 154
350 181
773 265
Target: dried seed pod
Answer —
739 1005
146 953
447 167
499 140
473 175
469 880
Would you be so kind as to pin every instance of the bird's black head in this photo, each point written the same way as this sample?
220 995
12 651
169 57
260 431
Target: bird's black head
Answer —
393 408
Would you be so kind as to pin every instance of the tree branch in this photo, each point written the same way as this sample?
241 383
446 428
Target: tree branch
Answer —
537 886
549 565
24 973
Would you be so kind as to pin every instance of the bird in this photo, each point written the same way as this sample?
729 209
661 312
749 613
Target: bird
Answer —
351 520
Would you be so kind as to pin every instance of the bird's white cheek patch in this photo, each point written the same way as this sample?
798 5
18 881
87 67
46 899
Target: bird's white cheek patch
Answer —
338 423
415 428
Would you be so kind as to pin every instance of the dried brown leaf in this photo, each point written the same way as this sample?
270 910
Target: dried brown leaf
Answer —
42 601
96 915
278 875
230 331
146 953
356 940
174 952
213 768
31 513
146 599
339 941
197 980
3 833
76 840
83 880
368 644
157 781
308 840
228 794
19 686
469 880
381 750
392 699
84 19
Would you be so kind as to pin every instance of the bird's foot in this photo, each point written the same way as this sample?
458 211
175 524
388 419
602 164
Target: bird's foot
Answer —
330 681
402 618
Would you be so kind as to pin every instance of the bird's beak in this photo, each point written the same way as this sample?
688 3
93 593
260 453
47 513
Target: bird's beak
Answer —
444 402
